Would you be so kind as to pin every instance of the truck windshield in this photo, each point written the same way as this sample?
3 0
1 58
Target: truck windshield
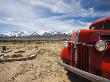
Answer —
101 25
107 25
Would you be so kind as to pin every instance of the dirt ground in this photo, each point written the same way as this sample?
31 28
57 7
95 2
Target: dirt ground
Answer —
43 68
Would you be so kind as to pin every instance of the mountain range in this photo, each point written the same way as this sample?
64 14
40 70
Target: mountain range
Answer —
46 35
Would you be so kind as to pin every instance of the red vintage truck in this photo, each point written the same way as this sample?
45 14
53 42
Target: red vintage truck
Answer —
87 53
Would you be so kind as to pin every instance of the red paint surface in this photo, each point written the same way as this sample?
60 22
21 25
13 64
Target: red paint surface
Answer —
64 54
73 36
105 68
98 21
87 36
96 60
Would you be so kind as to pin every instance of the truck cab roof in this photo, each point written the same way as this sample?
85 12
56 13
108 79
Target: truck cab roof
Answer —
101 24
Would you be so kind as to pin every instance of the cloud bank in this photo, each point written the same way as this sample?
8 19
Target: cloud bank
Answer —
56 15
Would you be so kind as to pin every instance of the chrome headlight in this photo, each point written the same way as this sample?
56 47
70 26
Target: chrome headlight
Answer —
101 45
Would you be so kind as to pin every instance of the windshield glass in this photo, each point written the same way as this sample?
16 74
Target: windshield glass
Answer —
107 25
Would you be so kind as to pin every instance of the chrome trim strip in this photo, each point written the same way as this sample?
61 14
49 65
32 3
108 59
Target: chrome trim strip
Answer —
89 76
76 47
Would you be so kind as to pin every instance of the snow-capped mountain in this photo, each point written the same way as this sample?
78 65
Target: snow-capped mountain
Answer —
33 35
14 34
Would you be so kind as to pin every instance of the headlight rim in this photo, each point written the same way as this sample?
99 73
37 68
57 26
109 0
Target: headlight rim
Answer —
104 46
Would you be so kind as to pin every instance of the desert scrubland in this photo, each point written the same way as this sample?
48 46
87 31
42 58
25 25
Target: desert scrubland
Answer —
43 68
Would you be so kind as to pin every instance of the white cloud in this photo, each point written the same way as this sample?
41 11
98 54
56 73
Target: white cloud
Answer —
74 8
16 9
21 14
42 24
59 6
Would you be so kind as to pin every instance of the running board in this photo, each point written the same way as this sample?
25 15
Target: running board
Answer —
89 76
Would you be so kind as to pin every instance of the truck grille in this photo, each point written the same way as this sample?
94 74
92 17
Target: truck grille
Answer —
83 57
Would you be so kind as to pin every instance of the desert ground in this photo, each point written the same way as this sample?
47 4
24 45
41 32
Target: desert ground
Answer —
43 68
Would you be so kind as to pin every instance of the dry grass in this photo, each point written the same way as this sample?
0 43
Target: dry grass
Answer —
42 69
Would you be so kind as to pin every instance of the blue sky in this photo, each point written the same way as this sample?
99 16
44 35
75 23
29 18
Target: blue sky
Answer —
55 15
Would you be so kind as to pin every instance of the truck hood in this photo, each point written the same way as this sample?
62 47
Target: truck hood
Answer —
87 36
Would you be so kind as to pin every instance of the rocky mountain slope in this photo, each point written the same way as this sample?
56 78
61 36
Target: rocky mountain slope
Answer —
16 35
